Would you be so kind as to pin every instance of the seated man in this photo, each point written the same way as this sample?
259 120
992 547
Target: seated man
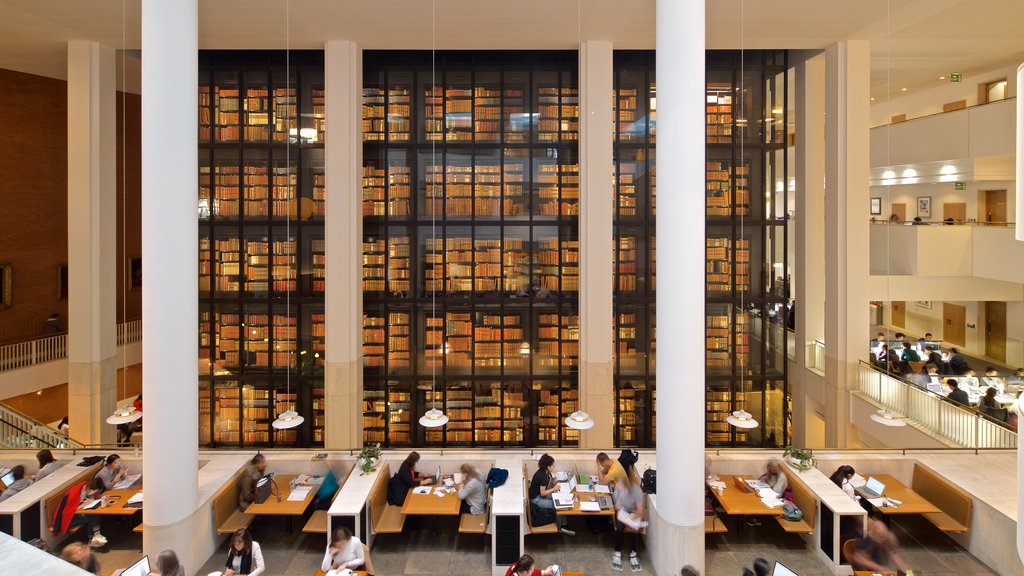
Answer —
610 471
254 470
956 394
19 484
957 363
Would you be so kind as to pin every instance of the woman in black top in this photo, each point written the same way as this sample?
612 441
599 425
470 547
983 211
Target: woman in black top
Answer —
541 488
405 478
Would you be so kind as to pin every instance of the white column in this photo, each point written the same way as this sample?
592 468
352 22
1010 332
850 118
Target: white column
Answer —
170 232
847 212
92 241
343 377
809 264
597 393
677 537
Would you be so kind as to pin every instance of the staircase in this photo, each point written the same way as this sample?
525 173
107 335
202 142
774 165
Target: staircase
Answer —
20 431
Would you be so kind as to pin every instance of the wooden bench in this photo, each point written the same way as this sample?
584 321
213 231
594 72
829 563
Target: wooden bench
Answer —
714 525
545 529
386 518
226 515
476 523
318 521
955 504
804 500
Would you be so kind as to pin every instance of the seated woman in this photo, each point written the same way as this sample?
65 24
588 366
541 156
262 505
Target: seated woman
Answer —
344 551
473 493
406 478
841 477
526 566
542 486
244 556
167 564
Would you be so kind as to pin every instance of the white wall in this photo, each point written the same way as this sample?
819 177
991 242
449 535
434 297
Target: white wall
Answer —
925 102
943 193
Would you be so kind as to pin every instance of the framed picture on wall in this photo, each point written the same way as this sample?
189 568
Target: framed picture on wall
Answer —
924 206
876 206
926 304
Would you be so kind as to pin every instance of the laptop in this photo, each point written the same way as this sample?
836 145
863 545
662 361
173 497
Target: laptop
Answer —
567 486
873 488
140 568
781 570
8 478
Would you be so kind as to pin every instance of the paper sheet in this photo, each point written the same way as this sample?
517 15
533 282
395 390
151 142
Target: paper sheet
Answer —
136 498
421 490
601 489
876 502
299 493
583 488
89 504
590 507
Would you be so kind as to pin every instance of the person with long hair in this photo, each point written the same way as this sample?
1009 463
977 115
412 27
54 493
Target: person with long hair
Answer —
542 486
47 464
473 492
841 477
112 472
344 551
80 555
167 564
406 478
244 556
527 566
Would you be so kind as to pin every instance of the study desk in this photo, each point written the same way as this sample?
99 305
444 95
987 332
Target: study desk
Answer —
913 503
431 504
736 502
282 506
585 497
870 573
354 573
116 500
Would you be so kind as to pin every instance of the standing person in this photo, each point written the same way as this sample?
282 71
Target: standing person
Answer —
956 394
47 464
526 566
473 492
244 556
406 478
344 551
841 477
542 486
167 564
19 484
610 470
254 470
629 506
112 472
80 555
876 551
957 362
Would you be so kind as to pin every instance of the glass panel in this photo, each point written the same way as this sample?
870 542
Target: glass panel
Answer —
256 415
487 414
227 413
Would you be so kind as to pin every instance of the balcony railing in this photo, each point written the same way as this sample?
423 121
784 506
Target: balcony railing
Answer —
20 431
953 422
50 348
815 358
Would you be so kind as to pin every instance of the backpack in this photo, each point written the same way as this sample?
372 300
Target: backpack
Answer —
541 516
791 512
496 477
627 458
649 481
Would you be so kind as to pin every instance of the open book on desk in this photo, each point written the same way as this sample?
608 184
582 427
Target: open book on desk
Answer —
128 482
562 500
135 501
89 504
602 489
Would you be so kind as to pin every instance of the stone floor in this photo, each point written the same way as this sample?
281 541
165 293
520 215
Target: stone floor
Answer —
439 549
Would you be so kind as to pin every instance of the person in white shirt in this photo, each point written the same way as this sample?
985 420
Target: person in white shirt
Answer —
774 477
841 477
244 556
344 551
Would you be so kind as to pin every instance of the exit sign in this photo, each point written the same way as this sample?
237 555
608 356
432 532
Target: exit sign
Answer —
960 186
956 77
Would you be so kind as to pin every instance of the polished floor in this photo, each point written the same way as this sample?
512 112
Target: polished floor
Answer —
438 549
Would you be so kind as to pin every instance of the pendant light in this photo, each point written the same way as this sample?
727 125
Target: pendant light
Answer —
579 420
433 418
742 419
126 414
289 418
889 418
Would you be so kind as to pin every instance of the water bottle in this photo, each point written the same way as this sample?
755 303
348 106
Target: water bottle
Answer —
556 571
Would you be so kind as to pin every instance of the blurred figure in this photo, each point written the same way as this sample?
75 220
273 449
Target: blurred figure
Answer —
761 568
689 571
876 551
167 564
80 555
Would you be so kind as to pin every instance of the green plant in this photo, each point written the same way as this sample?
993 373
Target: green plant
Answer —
368 458
799 458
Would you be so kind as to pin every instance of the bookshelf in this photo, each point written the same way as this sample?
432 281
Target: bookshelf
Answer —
262 199
719 109
728 188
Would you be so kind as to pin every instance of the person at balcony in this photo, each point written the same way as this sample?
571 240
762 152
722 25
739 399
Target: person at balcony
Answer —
896 364
928 338
47 464
909 354
899 341
254 470
1016 381
991 378
956 394
125 431
19 484
878 341
112 472
921 347
542 486
934 357
957 363
918 221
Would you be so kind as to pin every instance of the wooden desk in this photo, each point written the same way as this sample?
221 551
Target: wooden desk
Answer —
735 502
284 507
117 508
573 574
356 573
431 504
913 503
584 497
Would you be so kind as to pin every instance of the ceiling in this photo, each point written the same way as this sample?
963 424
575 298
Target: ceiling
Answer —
913 41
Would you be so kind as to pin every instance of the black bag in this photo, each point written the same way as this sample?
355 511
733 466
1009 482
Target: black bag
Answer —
627 458
264 488
90 460
541 516
649 481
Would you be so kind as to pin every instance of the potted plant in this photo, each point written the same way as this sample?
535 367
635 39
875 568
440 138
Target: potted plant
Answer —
802 460
368 458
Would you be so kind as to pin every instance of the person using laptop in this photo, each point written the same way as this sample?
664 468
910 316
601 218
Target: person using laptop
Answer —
876 551
244 556
610 471
47 464
542 486
629 507
254 470
406 478
15 481
473 492
956 394
167 564
78 554
112 472
344 552
841 477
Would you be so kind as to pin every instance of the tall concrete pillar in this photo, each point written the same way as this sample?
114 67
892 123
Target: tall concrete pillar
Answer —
343 377
677 534
597 393
92 242
170 302
847 213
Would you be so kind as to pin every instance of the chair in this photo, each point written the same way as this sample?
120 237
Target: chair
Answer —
916 367
848 547
1001 414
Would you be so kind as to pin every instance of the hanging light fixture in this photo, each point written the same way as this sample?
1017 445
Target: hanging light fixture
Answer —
579 420
433 418
289 418
889 418
742 419
126 414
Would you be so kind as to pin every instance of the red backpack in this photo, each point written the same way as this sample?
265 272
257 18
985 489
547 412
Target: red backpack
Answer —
66 509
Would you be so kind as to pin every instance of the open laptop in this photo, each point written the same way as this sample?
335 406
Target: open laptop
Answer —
140 568
781 570
569 486
873 488
8 478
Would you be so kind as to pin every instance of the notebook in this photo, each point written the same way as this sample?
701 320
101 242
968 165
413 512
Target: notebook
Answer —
781 570
562 500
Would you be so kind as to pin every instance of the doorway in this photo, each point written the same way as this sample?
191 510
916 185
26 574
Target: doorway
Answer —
954 319
994 208
899 314
995 330
955 210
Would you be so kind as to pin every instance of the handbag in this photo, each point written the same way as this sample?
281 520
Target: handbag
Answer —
791 512
265 487
541 516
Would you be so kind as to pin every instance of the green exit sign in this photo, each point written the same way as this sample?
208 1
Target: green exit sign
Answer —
960 186
956 77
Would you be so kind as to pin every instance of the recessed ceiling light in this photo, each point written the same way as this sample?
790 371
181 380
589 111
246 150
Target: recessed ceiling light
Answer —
942 77
904 89
872 99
